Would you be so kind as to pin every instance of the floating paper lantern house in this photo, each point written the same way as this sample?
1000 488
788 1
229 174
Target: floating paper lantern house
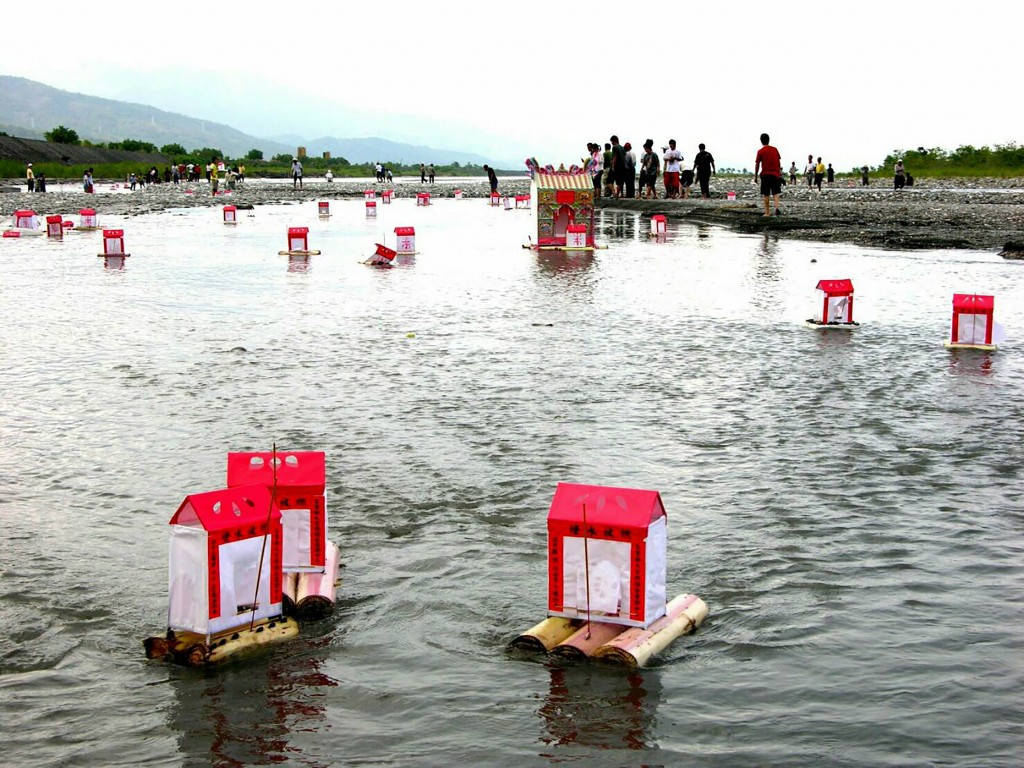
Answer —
576 236
55 227
371 209
369 194
458 194
87 219
386 195
323 209
972 322
506 202
113 249
218 540
297 479
659 226
406 237
564 200
422 198
495 199
230 214
522 201
26 223
833 305
382 257
607 554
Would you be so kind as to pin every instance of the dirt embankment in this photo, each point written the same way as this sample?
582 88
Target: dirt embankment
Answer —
32 151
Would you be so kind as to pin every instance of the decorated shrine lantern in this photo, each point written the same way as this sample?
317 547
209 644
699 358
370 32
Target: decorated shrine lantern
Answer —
422 198
218 540
658 225
369 194
371 208
563 200
406 237
87 219
298 479
55 227
25 220
607 551
972 320
230 214
833 302
298 239
323 208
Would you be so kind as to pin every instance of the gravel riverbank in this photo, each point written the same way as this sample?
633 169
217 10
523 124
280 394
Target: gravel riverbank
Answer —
981 214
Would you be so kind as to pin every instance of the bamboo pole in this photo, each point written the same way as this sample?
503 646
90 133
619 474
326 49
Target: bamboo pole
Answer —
315 592
587 639
544 636
636 646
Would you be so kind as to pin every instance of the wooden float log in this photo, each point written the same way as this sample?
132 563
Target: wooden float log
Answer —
586 640
980 347
542 637
298 253
192 650
315 594
636 646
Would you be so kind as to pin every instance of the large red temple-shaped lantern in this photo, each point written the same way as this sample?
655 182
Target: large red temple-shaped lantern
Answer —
564 200
299 478
607 554
833 305
218 541
972 322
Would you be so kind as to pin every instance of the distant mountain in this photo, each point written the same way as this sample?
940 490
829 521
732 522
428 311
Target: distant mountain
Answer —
29 108
39 107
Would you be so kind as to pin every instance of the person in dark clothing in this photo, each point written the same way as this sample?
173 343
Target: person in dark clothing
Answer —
704 166
492 177
831 174
618 172
864 176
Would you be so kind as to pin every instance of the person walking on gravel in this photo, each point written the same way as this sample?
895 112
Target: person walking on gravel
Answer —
769 162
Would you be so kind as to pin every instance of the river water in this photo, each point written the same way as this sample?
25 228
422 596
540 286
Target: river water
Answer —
849 505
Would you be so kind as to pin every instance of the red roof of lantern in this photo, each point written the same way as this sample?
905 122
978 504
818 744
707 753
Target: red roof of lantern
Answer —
229 508
836 287
298 471
970 302
605 505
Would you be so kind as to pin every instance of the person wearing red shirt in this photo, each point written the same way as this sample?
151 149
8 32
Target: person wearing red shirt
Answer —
769 162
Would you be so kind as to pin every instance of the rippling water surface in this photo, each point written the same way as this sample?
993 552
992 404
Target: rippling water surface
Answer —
849 505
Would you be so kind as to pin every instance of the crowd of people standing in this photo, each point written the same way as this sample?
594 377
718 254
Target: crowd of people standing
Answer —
618 172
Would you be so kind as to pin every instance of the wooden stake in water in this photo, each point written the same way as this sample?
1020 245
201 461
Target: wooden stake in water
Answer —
263 549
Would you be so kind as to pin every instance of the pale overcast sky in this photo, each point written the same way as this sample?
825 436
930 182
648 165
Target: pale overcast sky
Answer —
847 81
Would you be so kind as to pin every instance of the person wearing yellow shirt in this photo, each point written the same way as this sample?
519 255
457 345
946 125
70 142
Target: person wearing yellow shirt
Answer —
30 178
819 174
214 183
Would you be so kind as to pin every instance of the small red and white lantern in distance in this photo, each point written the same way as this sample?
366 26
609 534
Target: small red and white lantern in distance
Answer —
382 257
386 196
495 198
113 249
973 322
659 226
230 214
55 227
225 534
323 209
369 194
607 553
506 202
522 201
87 219
576 236
406 240
297 479
730 196
371 209
458 194
422 198
833 305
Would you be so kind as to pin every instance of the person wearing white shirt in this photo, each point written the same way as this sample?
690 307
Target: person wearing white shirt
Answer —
673 158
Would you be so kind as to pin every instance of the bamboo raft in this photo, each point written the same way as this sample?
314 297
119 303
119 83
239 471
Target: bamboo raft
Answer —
981 347
298 253
579 640
193 650
832 326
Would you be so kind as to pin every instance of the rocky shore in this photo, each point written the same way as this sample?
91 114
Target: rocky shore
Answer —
980 214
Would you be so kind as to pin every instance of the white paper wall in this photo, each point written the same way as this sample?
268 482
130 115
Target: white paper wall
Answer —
239 563
839 309
187 583
971 329
297 525
609 577
657 570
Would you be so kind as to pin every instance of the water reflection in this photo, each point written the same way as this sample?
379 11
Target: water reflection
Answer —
765 276
600 708
616 225
562 263
970 362
245 714
298 263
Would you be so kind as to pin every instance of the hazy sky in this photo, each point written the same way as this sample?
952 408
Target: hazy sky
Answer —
847 81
